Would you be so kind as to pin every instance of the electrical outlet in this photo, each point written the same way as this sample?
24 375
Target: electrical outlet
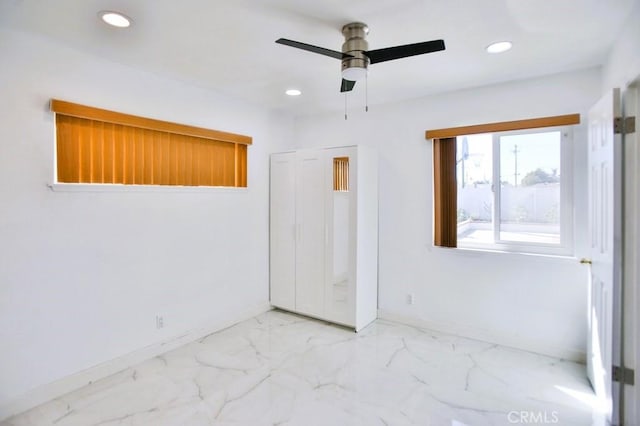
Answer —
159 321
410 299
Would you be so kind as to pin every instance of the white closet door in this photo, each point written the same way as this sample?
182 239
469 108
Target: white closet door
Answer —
310 233
282 228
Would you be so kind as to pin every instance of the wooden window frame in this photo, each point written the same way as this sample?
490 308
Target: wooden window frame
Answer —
444 167
171 141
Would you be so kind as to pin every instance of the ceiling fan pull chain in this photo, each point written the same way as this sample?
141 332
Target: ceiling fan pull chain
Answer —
345 106
366 92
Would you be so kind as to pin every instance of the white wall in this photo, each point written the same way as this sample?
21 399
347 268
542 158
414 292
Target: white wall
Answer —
623 63
82 275
531 302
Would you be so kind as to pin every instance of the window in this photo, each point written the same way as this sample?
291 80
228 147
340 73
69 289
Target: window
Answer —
105 147
508 190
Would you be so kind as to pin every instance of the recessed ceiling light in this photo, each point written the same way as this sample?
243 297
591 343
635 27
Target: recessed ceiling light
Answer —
115 19
293 92
499 47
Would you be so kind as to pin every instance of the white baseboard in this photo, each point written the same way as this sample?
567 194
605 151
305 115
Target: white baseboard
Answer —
570 354
75 381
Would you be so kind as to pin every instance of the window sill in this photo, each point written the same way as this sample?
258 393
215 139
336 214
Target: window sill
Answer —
102 187
481 251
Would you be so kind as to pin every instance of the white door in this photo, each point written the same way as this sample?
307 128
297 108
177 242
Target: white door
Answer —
631 275
605 234
310 248
282 218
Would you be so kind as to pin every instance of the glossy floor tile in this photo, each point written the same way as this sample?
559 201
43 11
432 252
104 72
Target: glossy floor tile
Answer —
283 369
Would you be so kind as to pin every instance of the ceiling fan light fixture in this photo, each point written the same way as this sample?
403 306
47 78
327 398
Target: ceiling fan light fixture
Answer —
293 92
354 73
115 19
499 47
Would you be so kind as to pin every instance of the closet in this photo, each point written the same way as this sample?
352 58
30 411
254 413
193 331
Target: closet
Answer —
324 234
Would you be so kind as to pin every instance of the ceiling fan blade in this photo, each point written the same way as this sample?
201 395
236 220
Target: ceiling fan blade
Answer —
397 52
347 85
314 49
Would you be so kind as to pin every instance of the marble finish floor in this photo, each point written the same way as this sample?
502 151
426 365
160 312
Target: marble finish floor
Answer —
283 369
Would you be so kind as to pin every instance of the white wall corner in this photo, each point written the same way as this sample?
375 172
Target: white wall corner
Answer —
470 332
75 381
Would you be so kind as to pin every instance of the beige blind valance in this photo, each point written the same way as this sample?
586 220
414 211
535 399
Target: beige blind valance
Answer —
504 126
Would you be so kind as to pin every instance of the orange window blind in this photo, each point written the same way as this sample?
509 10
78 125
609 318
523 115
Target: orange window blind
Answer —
445 193
99 146
341 174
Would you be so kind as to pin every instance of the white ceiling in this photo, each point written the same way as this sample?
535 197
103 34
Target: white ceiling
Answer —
229 45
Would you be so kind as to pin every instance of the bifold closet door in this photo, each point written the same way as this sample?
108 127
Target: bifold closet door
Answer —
283 230
311 233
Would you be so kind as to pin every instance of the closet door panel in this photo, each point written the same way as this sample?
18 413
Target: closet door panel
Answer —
341 223
282 228
310 247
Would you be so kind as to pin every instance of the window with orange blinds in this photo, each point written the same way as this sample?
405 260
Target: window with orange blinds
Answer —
446 186
106 147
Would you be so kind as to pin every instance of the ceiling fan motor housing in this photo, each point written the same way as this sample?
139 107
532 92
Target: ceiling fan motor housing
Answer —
355 44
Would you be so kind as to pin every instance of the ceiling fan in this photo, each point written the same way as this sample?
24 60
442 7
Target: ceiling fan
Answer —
356 57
